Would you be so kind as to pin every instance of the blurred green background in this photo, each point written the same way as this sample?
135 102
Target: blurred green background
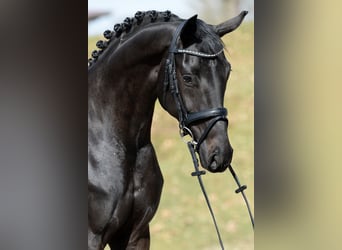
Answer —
183 220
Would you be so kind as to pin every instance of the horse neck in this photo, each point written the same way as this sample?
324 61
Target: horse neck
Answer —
124 86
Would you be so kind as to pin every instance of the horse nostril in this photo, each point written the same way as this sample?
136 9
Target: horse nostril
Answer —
219 162
214 160
213 165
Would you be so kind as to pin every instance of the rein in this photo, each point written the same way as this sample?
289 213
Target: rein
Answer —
187 118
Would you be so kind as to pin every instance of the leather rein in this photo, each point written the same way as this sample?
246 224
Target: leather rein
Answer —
186 118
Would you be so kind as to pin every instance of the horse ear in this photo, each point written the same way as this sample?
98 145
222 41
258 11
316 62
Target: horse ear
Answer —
230 25
188 32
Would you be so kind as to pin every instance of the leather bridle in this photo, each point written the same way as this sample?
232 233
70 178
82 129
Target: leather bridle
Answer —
185 118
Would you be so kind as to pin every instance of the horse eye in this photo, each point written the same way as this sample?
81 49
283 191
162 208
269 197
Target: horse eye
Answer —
187 78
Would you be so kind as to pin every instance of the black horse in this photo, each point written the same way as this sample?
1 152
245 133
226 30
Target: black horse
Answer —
155 55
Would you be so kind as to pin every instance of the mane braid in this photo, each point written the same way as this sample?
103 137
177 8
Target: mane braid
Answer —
128 25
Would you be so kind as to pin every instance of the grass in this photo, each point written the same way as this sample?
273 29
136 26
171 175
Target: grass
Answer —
183 220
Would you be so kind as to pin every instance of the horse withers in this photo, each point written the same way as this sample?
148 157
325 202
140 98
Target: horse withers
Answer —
155 55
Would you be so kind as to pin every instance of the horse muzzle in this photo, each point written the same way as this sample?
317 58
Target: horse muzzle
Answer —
215 151
209 130
216 156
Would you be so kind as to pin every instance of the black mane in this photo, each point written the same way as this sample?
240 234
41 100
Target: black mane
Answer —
212 42
129 24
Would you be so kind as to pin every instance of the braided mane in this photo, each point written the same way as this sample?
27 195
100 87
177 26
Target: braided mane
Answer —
129 24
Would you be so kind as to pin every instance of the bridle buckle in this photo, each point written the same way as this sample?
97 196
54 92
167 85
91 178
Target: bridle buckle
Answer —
184 132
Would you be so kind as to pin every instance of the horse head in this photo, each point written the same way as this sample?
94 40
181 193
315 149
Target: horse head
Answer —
195 78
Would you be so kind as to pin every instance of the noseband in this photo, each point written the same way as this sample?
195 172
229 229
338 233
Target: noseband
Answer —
186 118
